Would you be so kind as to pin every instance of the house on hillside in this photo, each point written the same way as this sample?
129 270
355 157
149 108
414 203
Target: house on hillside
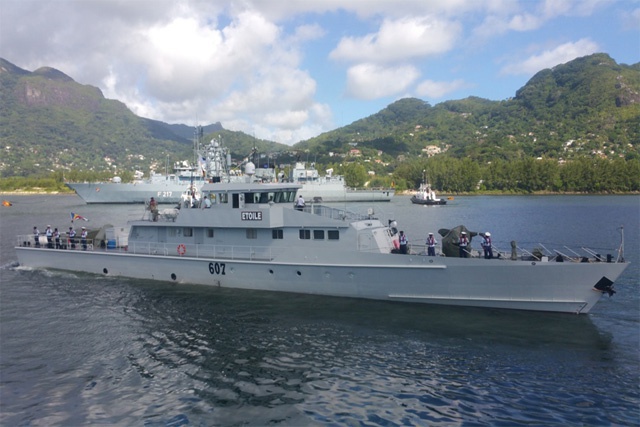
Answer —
431 150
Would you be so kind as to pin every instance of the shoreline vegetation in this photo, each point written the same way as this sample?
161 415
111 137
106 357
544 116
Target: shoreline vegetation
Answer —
448 176
42 192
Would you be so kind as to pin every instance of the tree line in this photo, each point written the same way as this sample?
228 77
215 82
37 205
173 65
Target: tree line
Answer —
523 176
445 174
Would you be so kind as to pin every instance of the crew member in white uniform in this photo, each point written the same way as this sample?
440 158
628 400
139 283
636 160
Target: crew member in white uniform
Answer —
486 245
83 238
431 245
49 235
463 242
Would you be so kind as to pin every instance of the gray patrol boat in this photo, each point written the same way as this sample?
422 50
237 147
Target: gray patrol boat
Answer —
252 237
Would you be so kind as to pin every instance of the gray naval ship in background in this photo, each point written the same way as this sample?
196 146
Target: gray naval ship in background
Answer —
211 166
332 188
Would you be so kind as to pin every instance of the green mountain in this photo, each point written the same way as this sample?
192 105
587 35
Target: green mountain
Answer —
589 106
48 122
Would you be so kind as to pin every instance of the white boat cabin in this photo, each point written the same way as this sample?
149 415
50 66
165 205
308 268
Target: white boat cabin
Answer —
243 215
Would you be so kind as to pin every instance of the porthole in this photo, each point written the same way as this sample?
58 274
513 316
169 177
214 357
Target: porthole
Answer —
299 273
105 271
173 276
270 271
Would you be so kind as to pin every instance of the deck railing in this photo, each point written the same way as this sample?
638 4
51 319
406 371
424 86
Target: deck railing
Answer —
264 253
540 253
254 253
334 213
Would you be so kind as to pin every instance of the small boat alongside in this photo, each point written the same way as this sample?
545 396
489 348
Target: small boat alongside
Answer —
251 237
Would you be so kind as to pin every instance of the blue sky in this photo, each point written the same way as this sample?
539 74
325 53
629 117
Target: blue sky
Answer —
288 70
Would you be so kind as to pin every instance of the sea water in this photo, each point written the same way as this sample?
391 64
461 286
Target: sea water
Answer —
77 349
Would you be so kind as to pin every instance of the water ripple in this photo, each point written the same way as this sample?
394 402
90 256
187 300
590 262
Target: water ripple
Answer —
134 352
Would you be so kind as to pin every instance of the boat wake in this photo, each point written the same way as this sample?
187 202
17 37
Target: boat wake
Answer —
45 272
9 265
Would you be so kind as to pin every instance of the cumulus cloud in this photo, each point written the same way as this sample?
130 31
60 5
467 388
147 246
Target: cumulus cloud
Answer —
550 58
276 69
525 22
400 39
371 81
530 15
383 60
631 21
434 90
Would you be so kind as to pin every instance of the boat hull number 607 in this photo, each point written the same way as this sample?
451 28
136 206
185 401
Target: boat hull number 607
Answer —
217 268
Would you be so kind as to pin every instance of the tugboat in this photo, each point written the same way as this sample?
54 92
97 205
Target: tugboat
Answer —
426 195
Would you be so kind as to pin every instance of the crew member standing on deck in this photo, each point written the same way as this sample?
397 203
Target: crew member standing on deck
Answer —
72 238
49 235
56 237
83 238
36 236
431 245
153 208
463 242
300 203
486 245
403 243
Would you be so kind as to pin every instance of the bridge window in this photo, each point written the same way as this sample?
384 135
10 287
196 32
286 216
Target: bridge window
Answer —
187 231
265 197
210 233
277 234
318 234
333 235
305 234
279 197
252 233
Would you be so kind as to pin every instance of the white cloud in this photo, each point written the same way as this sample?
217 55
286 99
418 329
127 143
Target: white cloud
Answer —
309 32
277 69
401 39
631 21
434 90
525 22
371 81
530 15
550 58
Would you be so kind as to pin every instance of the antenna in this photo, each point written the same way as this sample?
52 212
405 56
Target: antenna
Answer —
621 249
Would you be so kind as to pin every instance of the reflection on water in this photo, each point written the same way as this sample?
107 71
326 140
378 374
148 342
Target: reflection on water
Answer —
176 354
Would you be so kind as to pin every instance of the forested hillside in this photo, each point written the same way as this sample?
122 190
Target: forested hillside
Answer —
49 122
587 107
572 128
